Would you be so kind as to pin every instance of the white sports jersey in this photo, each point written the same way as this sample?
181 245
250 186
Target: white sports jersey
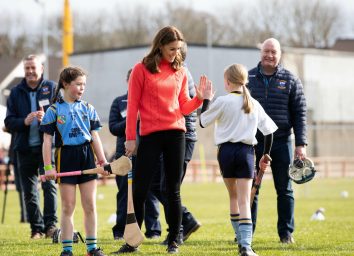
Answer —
232 124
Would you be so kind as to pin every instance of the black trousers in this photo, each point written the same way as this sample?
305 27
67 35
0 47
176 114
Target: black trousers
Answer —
30 163
159 187
171 144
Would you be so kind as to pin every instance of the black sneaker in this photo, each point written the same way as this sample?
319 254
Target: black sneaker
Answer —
189 229
165 242
66 253
117 235
153 237
172 248
126 248
96 252
179 240
50 231
247 252
36 235
287 239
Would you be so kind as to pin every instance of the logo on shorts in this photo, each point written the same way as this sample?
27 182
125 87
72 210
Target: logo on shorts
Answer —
61 119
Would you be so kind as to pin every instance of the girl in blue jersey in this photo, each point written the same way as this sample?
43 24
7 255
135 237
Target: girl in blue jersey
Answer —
75 125
237 117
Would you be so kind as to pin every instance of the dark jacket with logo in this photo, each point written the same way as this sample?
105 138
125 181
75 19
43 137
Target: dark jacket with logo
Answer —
19 106
116 123
283 99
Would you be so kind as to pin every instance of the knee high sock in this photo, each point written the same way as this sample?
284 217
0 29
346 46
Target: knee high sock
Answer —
67 245
235 224
245 228
91 243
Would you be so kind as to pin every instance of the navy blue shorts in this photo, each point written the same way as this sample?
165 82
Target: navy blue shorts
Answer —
236 160
75 158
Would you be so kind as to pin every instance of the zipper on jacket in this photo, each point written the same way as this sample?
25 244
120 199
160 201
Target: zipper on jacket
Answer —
266 82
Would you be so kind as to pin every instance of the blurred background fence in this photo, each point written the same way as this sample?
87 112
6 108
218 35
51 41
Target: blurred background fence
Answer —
208 171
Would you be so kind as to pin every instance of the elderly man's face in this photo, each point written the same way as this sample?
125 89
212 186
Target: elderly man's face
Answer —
33 71
270 55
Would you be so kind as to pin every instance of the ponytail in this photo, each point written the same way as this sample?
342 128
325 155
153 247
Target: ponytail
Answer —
57 95
247 101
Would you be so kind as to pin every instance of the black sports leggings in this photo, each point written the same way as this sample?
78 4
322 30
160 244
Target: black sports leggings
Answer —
172 144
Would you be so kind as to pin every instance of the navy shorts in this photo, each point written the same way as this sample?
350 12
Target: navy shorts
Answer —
75 158
236 160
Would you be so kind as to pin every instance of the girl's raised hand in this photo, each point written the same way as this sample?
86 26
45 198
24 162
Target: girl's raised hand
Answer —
208 91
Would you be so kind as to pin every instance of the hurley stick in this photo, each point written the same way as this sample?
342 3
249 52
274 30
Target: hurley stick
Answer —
132 233
5 192
258 180
120 167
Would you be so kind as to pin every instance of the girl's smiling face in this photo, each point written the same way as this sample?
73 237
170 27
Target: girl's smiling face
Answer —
75 89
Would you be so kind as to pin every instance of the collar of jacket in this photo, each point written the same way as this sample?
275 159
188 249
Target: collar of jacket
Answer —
25 86
259 69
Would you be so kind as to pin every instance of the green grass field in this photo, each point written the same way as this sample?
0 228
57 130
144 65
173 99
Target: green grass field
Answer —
209 203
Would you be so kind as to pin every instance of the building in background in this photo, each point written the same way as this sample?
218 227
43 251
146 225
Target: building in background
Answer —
329 86
326 75
11 73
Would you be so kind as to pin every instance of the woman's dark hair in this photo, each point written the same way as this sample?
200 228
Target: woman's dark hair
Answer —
165 36
67 75
183 51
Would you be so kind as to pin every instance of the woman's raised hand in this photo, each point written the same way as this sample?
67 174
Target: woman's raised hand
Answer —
205 88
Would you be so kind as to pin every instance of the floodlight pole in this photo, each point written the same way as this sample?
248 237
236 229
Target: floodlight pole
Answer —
44 38
209 41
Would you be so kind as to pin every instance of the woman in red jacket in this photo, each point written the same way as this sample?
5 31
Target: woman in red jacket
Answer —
158 94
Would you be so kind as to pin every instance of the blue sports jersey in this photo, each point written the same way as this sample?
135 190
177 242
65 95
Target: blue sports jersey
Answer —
71 123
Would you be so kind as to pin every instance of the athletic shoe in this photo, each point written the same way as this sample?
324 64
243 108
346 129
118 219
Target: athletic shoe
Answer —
189 229
152 237
36 235
50 231
179 240
245 252
66 253
287 239
126 248
116 234
172 248
96 252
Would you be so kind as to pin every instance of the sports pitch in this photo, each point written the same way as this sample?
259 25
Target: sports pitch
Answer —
209 203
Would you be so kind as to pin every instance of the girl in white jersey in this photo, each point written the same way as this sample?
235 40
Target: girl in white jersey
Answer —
237 117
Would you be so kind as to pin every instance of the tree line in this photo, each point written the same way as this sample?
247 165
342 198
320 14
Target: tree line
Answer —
297 23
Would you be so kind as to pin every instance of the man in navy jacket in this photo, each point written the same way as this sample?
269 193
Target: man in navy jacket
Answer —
281 95
26 106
